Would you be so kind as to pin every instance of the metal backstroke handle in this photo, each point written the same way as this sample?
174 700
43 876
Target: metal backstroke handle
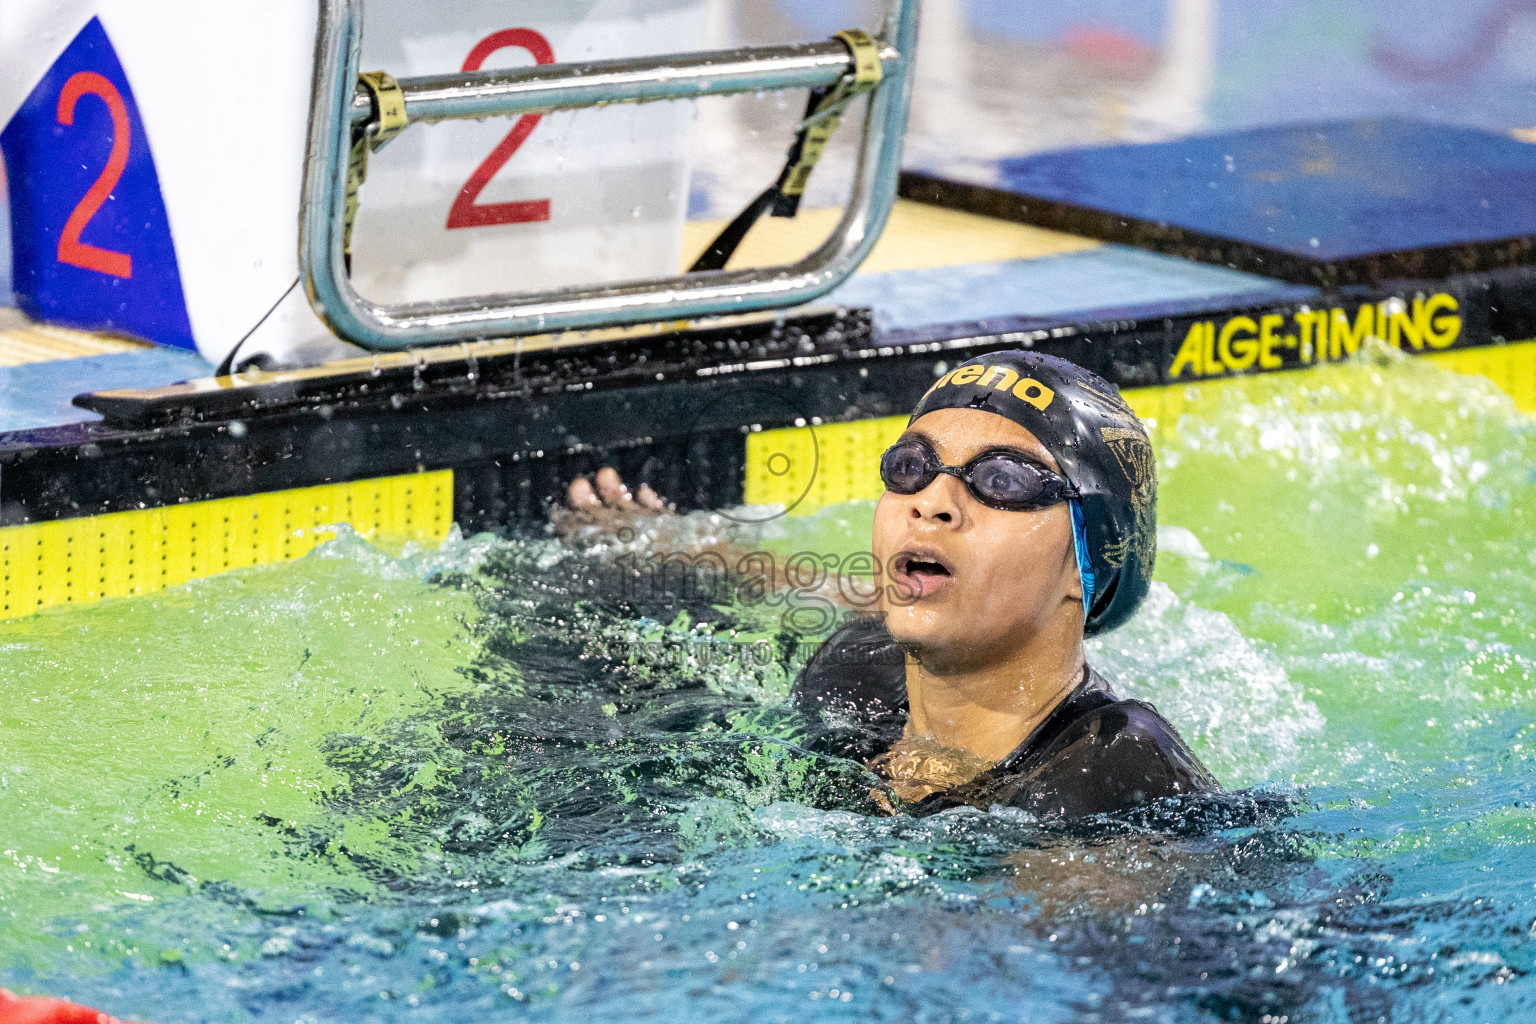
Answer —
340 105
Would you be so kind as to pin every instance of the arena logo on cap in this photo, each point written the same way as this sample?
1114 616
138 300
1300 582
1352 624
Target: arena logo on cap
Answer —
1000 378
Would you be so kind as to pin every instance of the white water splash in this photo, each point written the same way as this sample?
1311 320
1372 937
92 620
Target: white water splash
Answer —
456 554
1228 696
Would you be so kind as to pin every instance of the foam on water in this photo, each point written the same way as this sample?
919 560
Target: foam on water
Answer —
1231 698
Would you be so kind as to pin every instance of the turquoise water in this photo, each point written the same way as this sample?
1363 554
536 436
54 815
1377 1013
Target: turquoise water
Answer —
501 777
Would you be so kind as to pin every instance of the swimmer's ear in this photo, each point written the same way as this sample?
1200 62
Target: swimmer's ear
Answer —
1074 574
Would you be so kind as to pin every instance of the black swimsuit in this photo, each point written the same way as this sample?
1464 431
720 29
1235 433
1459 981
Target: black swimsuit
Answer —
1093 754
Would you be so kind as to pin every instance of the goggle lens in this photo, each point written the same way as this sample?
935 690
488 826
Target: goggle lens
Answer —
1001 480
996 479
907 468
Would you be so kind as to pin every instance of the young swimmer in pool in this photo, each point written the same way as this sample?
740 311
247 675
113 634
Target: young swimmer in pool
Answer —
1018 518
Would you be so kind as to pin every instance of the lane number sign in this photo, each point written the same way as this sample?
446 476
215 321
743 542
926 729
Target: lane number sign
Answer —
91 241
466 212
71 250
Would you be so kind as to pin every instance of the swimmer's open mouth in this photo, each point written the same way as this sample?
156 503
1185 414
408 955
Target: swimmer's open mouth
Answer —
922 571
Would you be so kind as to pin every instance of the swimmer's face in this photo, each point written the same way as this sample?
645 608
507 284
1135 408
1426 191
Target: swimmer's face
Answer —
968 584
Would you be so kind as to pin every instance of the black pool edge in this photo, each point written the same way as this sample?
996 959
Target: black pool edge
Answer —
672 409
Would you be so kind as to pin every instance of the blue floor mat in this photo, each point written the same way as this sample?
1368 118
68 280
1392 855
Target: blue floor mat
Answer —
1321 192
38 394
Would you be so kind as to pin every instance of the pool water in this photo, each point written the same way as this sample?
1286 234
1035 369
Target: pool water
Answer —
497 777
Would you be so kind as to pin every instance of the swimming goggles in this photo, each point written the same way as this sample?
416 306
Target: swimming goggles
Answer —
1003 480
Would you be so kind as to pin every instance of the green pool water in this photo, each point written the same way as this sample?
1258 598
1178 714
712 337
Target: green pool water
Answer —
491 779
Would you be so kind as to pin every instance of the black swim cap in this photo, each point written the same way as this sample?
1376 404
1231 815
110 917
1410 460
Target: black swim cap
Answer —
1102 450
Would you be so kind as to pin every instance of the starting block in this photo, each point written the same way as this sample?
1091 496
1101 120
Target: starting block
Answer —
1343 203
191 174
155 151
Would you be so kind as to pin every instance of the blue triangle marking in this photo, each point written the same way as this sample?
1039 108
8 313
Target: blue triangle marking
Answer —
118 269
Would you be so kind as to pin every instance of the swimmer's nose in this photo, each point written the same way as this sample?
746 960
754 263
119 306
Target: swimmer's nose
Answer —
939 502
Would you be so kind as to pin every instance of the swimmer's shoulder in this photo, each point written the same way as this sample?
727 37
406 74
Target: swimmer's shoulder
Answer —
857 669
854 691
1101 756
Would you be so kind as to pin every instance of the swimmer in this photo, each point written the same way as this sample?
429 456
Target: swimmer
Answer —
1019 518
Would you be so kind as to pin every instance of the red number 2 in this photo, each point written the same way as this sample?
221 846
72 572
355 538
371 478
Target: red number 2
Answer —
465 212
71 250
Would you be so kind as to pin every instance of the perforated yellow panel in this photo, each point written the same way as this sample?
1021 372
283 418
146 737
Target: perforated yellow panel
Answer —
808 468
76 561
1511 367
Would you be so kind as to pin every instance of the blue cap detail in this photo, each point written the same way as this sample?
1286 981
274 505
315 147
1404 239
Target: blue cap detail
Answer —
1080 545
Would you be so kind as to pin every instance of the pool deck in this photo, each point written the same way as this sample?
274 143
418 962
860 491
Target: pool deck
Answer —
42 368
936 273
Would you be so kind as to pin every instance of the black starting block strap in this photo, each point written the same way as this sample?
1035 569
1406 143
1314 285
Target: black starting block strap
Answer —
823 113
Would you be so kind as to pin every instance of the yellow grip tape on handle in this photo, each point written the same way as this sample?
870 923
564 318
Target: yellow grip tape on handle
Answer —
866 57
816 138
357 170
823 122
389 120
388 104
824 109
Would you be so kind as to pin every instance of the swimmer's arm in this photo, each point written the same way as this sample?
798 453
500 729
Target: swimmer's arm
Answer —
605 504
